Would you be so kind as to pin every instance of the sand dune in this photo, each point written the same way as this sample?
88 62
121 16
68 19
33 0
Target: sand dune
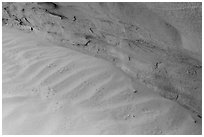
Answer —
48 89
102 68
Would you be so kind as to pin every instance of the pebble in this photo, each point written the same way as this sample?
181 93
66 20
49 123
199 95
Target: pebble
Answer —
135 91
51 65
63 69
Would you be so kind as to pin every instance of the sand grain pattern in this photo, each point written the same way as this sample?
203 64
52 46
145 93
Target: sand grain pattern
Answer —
49 89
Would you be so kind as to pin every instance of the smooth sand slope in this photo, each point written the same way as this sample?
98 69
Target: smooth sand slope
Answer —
49 89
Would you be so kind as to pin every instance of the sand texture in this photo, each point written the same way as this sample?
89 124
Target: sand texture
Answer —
101 68
50 90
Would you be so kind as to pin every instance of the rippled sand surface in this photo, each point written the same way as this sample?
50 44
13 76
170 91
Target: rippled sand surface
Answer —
50 90
101 68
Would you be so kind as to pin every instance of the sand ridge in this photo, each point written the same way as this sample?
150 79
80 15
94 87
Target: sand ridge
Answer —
49 89
161 48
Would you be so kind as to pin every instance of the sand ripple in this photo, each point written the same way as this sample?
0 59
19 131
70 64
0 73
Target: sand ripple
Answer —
54 90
